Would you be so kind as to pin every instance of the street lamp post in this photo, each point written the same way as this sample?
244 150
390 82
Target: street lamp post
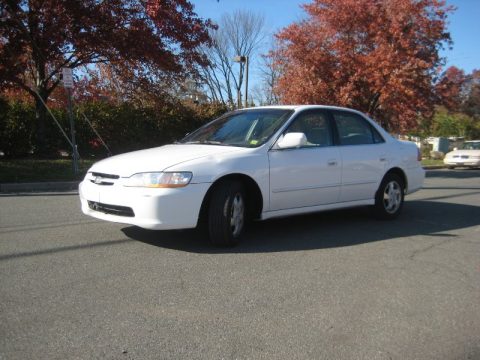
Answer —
242 59
246 81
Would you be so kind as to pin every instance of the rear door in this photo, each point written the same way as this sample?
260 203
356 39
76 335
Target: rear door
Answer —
363 153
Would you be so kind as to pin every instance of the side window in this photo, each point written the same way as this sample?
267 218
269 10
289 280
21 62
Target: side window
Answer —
354 130
315 126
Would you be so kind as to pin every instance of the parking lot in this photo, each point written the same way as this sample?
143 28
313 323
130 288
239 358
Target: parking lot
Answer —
336 285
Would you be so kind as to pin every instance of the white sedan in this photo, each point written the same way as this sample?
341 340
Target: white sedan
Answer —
467 156
256 163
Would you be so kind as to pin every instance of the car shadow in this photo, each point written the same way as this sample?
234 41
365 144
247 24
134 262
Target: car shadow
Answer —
324 230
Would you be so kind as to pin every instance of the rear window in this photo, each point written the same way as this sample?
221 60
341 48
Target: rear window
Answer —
355 130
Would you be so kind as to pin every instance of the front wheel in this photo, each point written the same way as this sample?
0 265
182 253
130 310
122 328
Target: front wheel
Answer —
226 215
389 197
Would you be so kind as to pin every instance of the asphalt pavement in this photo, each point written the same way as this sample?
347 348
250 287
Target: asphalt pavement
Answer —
336 285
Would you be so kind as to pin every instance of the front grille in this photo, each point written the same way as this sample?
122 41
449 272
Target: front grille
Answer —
106 176
111 209
99 178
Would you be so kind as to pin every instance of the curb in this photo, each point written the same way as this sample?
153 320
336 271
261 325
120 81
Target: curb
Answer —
434 167
50 186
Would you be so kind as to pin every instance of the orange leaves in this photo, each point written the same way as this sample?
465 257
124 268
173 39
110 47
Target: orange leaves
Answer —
378 56
449 88
146 42
155 36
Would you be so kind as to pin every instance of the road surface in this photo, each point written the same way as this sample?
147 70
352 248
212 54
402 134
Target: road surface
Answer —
335 285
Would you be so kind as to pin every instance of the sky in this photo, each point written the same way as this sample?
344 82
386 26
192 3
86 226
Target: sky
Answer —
464 23
464 30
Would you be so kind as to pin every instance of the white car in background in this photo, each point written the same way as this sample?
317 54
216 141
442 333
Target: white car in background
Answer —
256 163
467 156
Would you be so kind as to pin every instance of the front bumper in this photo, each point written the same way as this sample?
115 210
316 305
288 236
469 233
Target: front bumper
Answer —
157 209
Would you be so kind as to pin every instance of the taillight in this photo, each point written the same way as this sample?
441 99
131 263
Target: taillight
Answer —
419 154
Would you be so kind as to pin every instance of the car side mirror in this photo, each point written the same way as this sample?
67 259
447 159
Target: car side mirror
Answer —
292 140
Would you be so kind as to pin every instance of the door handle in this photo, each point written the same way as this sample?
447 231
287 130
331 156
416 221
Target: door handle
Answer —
383 158
332 162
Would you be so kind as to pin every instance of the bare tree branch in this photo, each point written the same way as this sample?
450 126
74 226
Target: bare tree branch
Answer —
238 34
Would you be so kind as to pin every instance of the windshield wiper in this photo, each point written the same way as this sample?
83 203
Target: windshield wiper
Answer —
206 142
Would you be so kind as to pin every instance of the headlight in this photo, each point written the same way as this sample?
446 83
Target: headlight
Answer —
159 179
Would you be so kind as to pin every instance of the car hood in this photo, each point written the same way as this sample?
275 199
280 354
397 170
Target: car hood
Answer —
464 152
158 159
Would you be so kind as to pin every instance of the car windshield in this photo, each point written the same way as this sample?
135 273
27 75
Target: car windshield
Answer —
245 128
471 145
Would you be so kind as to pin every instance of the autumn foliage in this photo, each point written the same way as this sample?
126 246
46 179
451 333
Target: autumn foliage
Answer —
147 41
449 88
377 56
41 36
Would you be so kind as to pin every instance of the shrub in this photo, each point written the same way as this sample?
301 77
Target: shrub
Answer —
124 127
16 128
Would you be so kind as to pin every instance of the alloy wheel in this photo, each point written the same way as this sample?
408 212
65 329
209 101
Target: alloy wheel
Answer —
392 197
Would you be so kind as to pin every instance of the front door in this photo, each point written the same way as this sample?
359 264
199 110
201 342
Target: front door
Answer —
309 175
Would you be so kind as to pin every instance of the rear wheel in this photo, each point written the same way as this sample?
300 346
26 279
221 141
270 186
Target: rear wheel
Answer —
227 214
389 197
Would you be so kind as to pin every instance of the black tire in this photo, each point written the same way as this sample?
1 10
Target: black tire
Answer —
389 197
227 214
451 167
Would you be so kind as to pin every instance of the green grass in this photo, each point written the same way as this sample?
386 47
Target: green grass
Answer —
31 170
427 162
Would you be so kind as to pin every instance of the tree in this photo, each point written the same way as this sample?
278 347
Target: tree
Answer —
270 73
264 92
238 34
446 123
378 56
471 105
146 40
449 89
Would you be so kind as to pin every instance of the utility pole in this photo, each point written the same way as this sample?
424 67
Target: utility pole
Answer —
246 81
67 77
239 98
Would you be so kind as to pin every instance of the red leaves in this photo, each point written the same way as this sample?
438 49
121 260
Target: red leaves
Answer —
148 42
37 38
378 56
449 88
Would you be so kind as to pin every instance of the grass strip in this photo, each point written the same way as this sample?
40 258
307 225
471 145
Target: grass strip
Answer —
33 170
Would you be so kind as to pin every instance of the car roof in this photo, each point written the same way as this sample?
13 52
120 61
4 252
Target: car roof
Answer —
304 107
298 107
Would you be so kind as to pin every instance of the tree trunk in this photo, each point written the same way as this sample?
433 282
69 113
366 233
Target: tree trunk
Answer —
40 121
